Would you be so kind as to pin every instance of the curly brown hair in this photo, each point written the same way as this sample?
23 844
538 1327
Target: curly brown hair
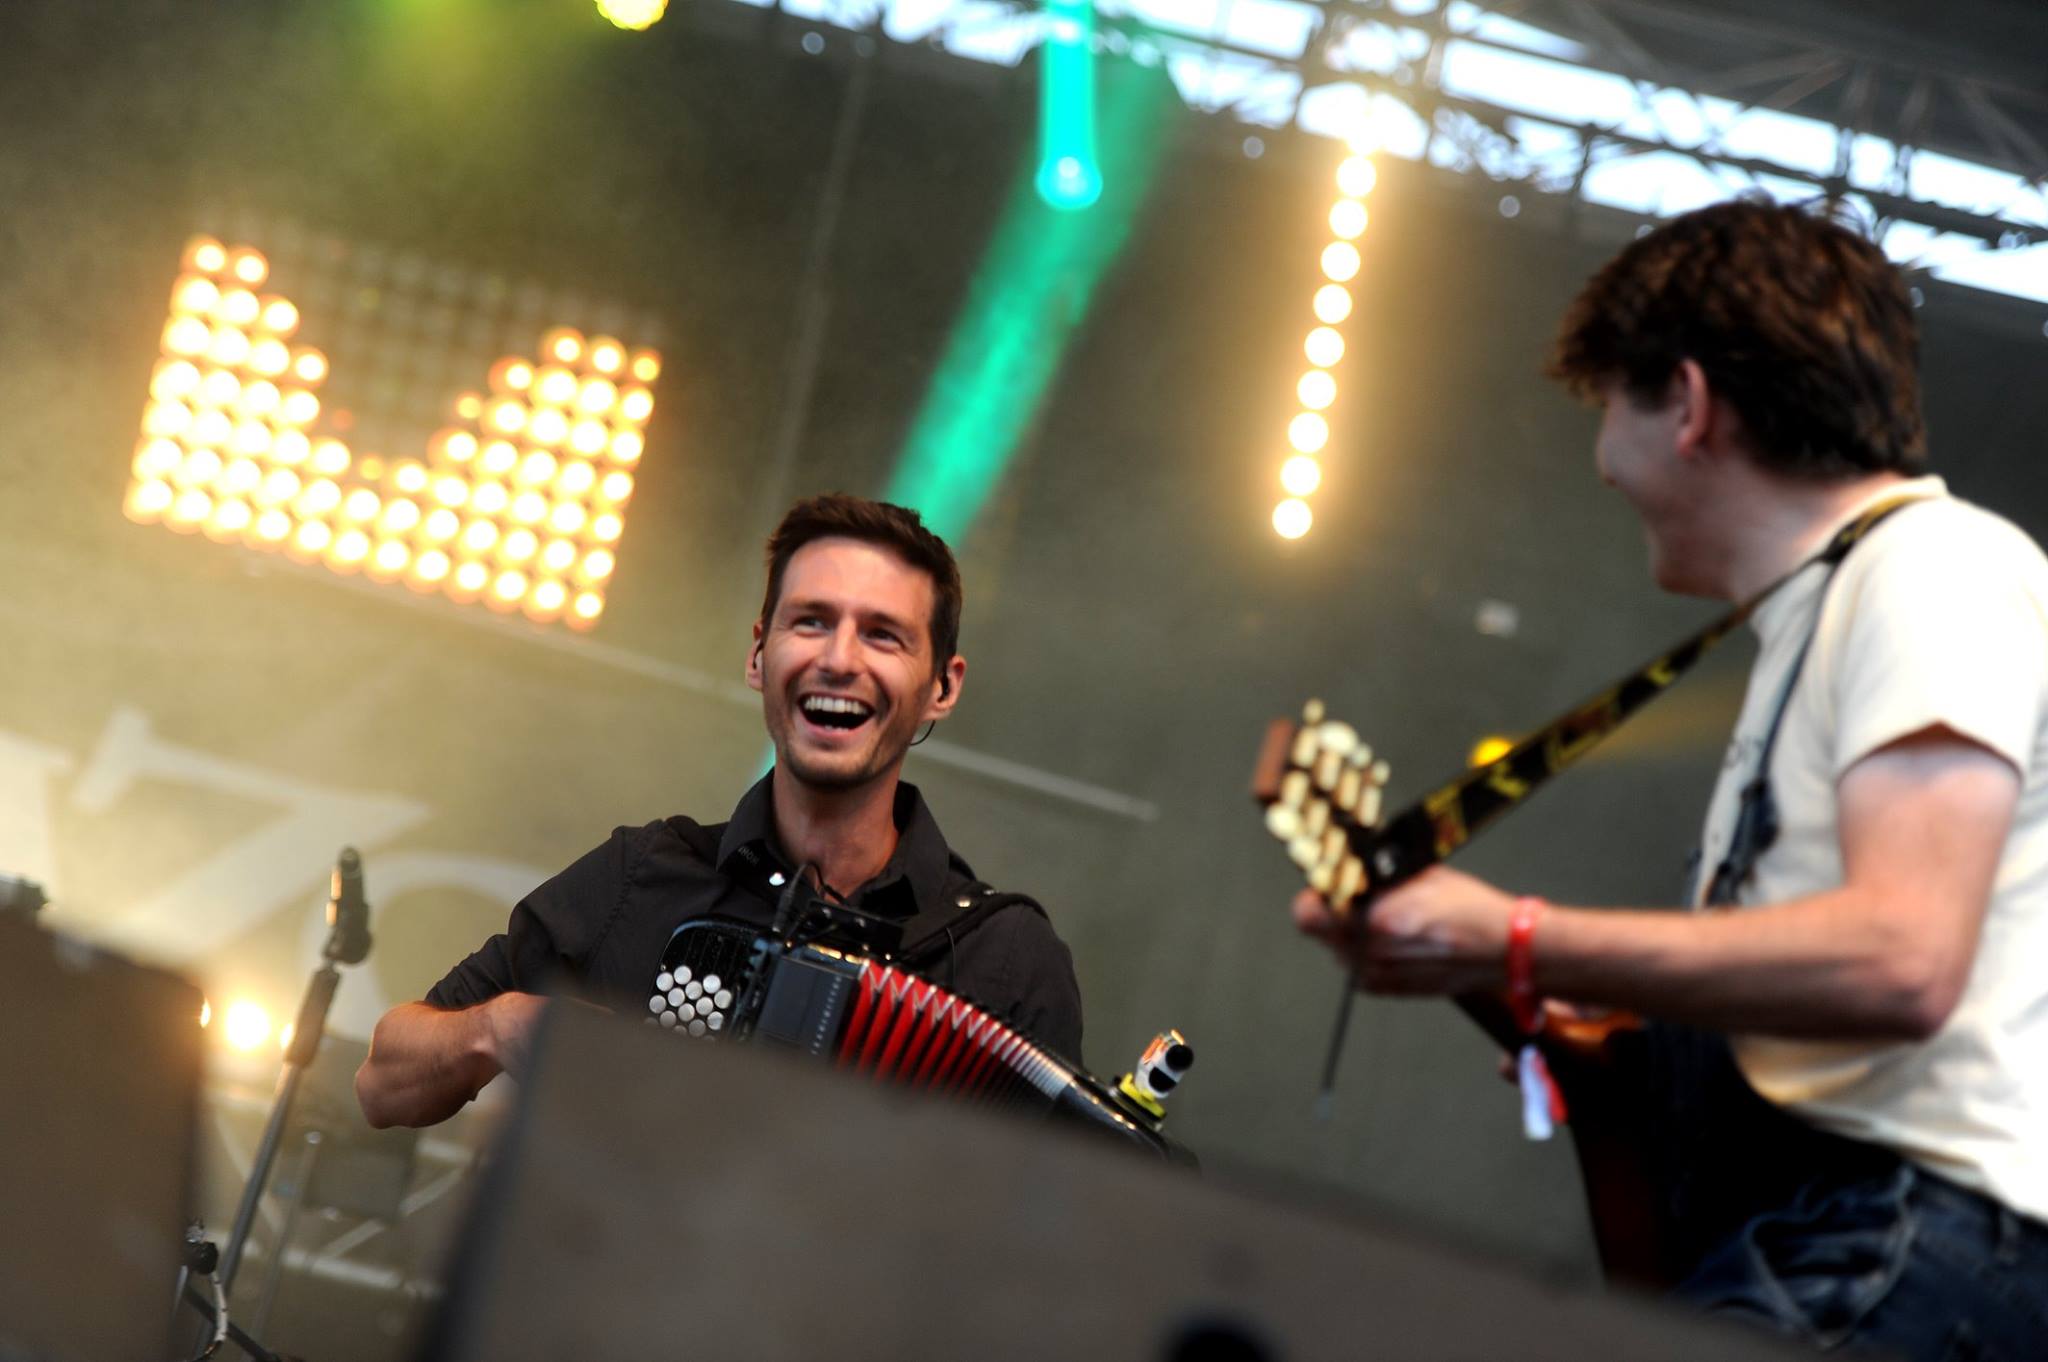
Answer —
1800 324
896 528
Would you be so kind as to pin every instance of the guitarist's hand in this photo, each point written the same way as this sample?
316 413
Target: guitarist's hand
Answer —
1441 932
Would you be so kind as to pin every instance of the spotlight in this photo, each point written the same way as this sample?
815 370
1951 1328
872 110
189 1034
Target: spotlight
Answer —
1340 261
1301 475
1324 347
247 1026
633 15
1292 518
206 255
563 345
1317 390
589 605
1356 176
1348 219
607 356
1333 303
1308 432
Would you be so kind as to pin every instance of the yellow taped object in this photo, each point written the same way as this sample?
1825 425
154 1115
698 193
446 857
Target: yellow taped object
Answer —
1138 1095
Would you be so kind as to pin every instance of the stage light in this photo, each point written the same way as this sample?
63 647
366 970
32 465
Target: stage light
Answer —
158 458
206 255
259 398
280 318
1316 390
529 508
606 528
597 397
278 486
165 420
1308 432
272 526
389 558
1356 176
229 347
616 487
270 357
627 446
330 458
410 478
576 478
440 526
508 416
559 555
241 477
489 498
645 366
1301 475
537 467
430 568
469 406
636 405
1347 219
548 427
567 518
361 506
460 446
1490 749
187 336
518 546
348 551
596 566
237 307
195 295
229 519
174 380
199 469
472 577
589 438
498 458
451 491
1332 303
1324 347
400 516
633 15
1292 518
511 375
546 600
249 266
589 605
247 1026
1340 261
191 507
311 539
371 468
607 356
562 344
319 498
147 501
309 365
509 586
479 537
299 408
554 386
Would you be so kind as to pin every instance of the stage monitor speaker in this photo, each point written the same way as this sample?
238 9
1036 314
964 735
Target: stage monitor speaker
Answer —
658 1197
99 1096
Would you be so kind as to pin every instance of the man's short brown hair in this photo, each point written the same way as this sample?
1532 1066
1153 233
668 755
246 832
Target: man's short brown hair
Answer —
899 529
1800 324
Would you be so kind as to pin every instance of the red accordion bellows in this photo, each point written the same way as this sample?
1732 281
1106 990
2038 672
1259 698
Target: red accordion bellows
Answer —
906 1029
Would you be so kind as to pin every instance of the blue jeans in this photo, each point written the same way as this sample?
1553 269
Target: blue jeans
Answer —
1903 1263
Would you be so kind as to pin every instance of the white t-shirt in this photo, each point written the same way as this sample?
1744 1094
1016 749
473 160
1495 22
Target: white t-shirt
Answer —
1940 616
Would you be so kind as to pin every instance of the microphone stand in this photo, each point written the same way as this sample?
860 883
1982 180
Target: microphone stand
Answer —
348 943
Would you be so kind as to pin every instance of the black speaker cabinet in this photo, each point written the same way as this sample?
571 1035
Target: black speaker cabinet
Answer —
657 1197
99 1093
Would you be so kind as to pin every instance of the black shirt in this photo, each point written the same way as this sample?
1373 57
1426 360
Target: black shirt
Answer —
598 929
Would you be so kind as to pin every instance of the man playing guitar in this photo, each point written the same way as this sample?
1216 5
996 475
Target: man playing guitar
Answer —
1874 944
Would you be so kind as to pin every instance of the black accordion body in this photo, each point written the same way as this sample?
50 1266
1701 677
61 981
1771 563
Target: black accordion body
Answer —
720 978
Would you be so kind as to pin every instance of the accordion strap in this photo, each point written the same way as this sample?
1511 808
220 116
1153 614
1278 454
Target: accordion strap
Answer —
925 935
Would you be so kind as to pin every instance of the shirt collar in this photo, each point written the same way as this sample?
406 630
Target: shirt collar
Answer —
1789 602
914 880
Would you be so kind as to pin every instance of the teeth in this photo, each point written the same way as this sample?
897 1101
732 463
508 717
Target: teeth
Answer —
833 704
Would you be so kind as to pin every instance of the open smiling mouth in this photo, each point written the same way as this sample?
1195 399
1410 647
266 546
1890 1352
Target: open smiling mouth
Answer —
836 712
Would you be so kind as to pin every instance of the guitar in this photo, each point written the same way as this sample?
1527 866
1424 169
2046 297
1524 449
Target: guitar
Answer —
1322 790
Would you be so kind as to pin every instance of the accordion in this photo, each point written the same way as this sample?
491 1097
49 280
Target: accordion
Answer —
725 979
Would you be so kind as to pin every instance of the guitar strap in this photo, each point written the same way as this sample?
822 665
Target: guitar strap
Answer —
1431 829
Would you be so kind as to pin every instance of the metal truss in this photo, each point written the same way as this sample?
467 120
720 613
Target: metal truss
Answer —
1702 75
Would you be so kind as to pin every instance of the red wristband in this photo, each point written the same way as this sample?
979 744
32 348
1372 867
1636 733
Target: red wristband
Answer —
1528 1008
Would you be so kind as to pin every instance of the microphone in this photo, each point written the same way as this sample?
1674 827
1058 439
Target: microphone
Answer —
348 915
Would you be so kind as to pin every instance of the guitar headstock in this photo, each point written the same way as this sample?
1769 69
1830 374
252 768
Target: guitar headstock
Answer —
1321 788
